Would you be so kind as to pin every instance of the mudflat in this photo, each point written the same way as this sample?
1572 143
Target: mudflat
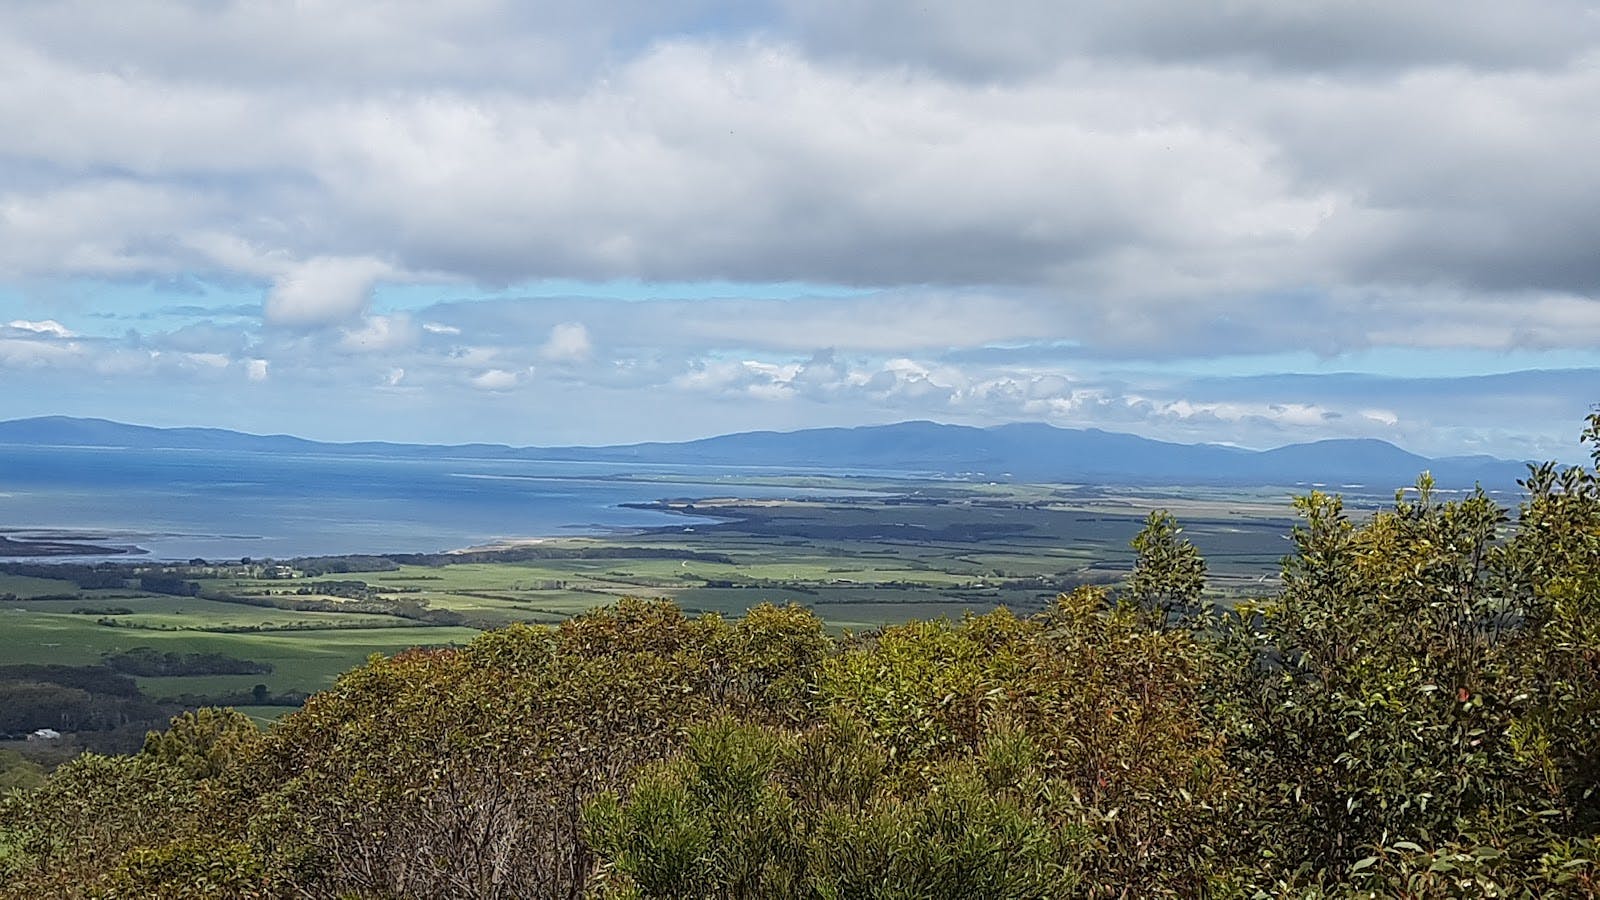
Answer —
57 546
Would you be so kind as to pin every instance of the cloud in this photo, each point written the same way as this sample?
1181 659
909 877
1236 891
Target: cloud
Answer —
206 360
321 47
1287 414
90 224
1025 209
568 342
322 290
200 337
1013 37
680 391
378 334
46 327
496 380
877 321
1102 174
17 354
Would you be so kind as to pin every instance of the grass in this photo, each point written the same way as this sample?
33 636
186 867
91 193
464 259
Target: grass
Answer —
24 586
859 562
194 613
302 661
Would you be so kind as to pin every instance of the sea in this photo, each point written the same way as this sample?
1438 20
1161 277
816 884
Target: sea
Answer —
183 504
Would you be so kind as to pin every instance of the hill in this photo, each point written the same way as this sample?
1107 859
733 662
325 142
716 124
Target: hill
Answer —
1021 452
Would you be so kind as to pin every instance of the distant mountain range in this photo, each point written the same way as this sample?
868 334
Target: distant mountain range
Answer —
1022 452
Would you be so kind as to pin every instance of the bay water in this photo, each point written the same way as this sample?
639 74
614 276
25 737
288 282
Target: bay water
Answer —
179 504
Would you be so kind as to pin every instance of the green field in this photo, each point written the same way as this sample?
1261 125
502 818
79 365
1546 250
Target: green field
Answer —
916 551
301 660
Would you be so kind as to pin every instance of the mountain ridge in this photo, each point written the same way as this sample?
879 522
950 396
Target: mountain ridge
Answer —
1026 451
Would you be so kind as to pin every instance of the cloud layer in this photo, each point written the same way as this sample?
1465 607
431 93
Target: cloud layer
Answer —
987 212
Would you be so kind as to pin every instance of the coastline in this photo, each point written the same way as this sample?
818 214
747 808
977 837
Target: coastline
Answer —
63 546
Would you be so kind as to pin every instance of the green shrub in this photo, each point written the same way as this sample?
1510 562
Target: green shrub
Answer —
1415 714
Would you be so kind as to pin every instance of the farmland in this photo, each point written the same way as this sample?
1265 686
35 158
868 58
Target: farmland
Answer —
909 550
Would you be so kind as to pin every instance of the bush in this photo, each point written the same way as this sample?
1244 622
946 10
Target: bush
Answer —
1416 714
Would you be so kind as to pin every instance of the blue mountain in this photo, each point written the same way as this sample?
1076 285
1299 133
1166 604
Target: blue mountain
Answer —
1022 451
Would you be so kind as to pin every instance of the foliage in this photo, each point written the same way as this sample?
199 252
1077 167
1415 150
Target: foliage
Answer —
1424 683
1169 574
993 757
464 773
28 704
205 743
18 772
746 813
149 662
1415 714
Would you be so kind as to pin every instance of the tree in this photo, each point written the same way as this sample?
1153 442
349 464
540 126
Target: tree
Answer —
1416 713
1169 575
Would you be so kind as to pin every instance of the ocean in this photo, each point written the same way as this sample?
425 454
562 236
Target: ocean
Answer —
180 504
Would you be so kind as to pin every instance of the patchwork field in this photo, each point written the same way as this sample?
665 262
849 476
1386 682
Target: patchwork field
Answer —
910 551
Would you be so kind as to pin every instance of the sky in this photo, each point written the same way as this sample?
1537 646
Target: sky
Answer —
1253 222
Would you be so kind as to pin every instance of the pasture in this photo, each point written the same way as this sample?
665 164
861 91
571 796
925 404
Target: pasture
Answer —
916 551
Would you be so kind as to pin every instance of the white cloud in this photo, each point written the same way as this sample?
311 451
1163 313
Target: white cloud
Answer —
1109 180
496 380
256 369
46 327
207 360
1009 196
91 225
568 342
1289 414
323 290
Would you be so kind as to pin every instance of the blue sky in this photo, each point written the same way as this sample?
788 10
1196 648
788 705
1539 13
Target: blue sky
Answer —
1254 222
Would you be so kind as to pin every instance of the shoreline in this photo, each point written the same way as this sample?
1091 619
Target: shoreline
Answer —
63 547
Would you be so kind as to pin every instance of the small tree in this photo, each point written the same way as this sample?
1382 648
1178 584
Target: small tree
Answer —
1169 574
